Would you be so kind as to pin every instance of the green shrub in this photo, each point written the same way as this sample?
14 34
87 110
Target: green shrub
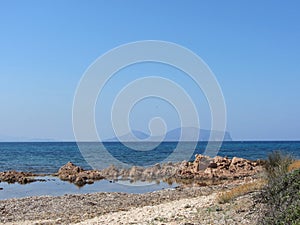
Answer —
281 196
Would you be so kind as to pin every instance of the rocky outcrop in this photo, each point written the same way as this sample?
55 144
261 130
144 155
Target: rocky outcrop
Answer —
203 168
219 167
17 177
77 175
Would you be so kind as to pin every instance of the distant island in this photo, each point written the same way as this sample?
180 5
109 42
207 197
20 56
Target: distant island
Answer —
171 136
174 135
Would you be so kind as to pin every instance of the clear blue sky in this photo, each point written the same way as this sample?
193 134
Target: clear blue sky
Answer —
251 46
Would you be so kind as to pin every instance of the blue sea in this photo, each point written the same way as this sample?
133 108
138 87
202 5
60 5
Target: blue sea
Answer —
48 157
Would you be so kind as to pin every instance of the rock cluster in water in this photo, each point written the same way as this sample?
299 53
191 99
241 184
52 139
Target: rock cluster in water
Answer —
19 177
203 168
77 175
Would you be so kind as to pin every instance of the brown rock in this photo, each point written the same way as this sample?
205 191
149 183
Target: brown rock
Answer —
201 162
213 165
236 160
89 181
219 159
69 169
219 167
135 172
80 181
19 177
77 175
110 172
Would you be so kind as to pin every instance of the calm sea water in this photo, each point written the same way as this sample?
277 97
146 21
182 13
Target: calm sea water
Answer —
42 157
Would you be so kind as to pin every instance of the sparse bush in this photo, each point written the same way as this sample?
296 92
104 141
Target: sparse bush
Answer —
277 164
282 200
281 196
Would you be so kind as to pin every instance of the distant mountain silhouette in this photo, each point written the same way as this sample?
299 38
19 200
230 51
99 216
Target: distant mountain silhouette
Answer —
174 135
127 137
190 132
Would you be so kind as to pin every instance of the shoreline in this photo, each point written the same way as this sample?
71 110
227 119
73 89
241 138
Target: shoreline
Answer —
203 168
199 182
105 206
203 171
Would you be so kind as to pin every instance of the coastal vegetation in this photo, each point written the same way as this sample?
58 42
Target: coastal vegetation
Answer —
278 196
281 195
224 197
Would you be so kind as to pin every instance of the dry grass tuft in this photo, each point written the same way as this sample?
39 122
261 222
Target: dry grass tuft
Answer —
277 164
224 197
294 166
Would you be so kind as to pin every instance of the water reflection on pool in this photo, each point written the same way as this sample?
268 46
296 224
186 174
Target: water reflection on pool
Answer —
53 186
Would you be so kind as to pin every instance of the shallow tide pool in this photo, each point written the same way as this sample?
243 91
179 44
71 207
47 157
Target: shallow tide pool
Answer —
53 186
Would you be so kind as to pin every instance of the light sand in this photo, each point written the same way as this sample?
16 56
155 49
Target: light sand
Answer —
170 212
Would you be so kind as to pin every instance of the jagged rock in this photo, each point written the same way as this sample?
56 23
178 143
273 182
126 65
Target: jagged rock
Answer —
157 165
236 160
89 181
111 172
200 163
77 175
203 167
219 167
124 173
69 172
209 174
150 172
135 172
213 165
19 177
